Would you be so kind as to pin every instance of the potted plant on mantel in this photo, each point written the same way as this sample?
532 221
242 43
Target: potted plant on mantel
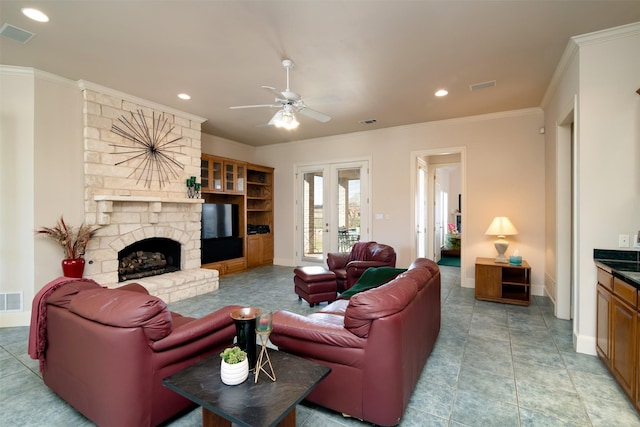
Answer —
234 367
73 242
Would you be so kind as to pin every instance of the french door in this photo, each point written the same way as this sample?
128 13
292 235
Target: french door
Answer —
332 209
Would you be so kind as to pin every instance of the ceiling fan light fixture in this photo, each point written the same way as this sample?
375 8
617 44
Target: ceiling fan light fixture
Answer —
287 121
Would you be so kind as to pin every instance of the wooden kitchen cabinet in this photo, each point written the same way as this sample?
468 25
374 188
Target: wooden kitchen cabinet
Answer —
617 326
624 319
506 283
603 325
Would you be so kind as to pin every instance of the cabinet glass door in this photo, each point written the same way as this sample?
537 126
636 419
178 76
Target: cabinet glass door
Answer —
216 175
229 177
204 174
240 179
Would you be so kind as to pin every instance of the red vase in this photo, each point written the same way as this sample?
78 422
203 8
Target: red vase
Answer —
73 267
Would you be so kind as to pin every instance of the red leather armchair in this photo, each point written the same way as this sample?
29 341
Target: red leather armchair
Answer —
348 267
107 351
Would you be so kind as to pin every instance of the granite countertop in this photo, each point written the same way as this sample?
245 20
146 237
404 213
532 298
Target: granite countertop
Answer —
625 265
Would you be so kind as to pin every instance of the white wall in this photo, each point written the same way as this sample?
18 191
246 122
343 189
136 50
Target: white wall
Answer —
222 147
601 70
40 177
608 156
505 176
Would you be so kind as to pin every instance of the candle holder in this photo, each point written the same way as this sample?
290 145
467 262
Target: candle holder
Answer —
245 321
263 329
193 188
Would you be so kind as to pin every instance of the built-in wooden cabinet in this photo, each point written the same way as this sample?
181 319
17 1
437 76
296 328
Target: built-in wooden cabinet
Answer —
259 215
222 175
617 341
249 186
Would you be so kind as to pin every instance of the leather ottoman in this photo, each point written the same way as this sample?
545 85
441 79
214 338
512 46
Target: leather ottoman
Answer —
315 284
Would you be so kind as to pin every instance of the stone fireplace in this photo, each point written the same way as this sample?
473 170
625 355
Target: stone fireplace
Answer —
133 211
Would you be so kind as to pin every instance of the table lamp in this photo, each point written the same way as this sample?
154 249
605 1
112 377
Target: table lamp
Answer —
501 227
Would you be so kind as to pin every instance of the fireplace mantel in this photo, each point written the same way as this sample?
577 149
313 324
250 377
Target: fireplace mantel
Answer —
105 204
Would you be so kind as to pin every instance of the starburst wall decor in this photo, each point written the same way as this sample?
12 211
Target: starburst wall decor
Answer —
152 151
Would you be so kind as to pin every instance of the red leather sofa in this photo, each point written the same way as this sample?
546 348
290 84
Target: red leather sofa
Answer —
107 351
349 266
376 344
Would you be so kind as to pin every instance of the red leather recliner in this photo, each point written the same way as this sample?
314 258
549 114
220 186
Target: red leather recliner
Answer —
376 344
348 267
107 351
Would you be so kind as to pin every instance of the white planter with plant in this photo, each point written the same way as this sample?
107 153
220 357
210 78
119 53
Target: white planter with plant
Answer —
234 367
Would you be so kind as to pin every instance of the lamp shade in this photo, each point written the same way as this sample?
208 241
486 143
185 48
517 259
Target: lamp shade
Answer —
501 226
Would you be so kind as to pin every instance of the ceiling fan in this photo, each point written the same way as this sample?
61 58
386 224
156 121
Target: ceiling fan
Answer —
290 103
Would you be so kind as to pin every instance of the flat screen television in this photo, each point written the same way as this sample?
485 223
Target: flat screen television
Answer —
219 220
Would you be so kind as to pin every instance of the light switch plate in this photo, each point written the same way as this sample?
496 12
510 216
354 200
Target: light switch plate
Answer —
636 242
623 241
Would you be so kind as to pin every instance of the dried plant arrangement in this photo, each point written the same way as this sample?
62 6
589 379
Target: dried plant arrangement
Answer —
73 242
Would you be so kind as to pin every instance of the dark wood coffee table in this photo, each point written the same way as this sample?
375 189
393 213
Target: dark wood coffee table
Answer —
266 403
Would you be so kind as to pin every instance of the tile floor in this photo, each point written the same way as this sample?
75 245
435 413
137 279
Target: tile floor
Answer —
493 365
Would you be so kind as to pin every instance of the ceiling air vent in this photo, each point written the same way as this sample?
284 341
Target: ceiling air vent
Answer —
14 33
368 121
484 85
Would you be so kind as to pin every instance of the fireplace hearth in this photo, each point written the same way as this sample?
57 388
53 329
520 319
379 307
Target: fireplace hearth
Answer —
148 257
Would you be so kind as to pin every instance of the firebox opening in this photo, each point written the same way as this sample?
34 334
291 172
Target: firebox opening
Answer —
148 257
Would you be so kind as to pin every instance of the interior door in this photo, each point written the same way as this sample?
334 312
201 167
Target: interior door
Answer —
439 214
332 209
422 213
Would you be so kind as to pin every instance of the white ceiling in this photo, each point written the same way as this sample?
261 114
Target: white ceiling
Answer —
383 59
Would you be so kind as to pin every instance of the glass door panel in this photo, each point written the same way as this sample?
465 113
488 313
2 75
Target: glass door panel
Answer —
348 207
312 216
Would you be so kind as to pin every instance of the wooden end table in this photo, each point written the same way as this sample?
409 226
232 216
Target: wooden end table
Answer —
502 282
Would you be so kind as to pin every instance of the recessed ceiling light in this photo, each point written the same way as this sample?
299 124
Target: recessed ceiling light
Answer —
184 96
35 14
442 92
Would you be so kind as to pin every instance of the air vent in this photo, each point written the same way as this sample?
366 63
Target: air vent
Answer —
368 121
14 33
10 301
484 85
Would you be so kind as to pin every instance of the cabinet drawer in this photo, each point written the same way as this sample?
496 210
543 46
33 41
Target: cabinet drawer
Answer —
605 279
625 292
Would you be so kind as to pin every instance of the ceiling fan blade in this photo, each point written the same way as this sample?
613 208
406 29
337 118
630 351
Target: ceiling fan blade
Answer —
254 106
276 117
278 95
330 99
321 117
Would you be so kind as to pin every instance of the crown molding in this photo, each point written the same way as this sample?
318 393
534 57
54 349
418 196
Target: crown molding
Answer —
574 45
86 85
603 36
12 70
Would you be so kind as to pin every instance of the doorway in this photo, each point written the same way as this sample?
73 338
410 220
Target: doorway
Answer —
438 188
566 290
332 209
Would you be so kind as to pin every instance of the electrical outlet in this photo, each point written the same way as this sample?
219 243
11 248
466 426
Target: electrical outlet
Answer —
636 241
623 241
